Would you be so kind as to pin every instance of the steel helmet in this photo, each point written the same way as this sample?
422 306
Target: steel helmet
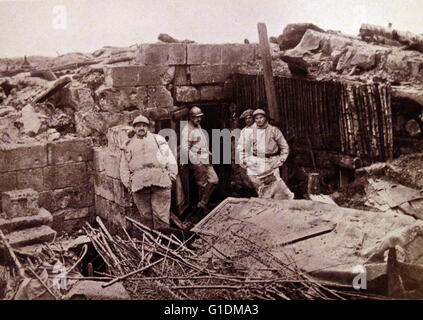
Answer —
247 113
195 112
259 111
140 119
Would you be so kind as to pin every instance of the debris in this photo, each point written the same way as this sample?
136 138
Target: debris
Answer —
94 290
394 194
293 33
402 237
56 86
322 198
166 263
44 74
297 65
168 39
12 255
31 120
387 35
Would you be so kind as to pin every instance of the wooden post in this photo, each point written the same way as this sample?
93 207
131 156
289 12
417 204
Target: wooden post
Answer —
268 73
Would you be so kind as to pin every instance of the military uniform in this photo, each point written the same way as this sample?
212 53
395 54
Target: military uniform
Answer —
242 150
194 146
148 168
264 149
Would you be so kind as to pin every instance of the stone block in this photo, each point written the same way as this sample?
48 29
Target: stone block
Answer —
30 178
31 236
211 93
103 186
162 54
112 212
8 181
43 217
65 175
159 97
98 158
72 197
71 213
121 195
112 164
120 99
187 94
234 54
133 76
71 226
102 206
116 219
209 74
118 136
79 98
97 123
69 150
18 157
153 75
168 76
204 54
121 76
181 76
20 203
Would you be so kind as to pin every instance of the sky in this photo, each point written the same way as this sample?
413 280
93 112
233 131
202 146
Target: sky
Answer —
54 27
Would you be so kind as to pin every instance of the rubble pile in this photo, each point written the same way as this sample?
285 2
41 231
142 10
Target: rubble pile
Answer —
393 186
176 271
40 101
335 55
56 270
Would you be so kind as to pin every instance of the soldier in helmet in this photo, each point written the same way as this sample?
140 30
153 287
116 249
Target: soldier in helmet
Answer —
247 117
148 169
265 151
195 147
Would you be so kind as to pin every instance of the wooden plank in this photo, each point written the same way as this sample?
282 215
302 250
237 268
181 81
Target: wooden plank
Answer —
268 72
395 283
303 235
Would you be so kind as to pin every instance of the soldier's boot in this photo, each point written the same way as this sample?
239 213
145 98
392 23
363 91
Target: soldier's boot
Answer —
204 200
192 218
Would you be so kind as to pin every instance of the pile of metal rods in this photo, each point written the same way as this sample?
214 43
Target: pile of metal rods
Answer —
166 263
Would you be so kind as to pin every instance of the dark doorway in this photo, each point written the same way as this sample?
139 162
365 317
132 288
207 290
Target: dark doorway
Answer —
216 116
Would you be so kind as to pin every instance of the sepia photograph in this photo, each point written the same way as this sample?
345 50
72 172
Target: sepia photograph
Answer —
222 152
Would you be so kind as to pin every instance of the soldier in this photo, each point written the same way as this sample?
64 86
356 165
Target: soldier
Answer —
266 150
194 145
147 169
247 116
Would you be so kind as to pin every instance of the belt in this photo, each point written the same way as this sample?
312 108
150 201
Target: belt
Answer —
266 155
148 166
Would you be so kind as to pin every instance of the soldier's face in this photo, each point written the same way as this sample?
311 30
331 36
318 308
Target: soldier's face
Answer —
141 129
260 120
197 120
249 120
